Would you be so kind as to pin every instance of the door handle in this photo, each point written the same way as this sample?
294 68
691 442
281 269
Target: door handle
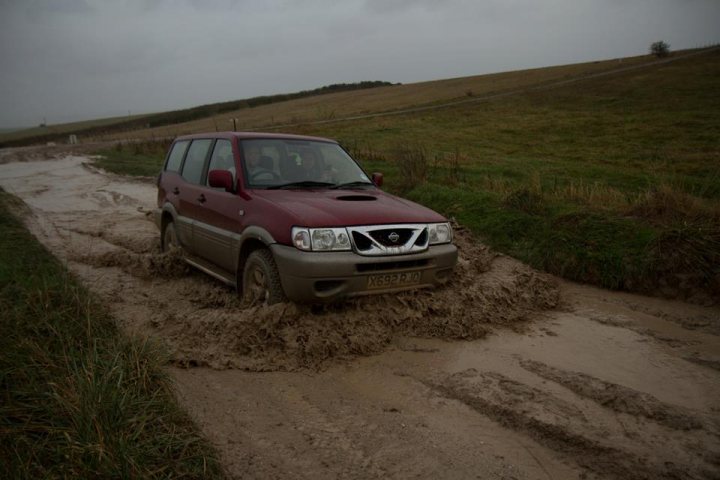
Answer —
201 198
176 190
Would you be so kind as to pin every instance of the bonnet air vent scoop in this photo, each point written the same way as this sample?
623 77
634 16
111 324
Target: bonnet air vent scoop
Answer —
356 198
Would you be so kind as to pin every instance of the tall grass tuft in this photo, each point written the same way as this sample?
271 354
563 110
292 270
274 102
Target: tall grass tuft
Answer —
77 398
690 247
525 199
665 204
413 165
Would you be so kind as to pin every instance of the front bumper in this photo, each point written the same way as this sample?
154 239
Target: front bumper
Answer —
324 276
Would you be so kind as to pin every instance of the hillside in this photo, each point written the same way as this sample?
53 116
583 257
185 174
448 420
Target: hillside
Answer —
382 99
59 131
612 179
106 126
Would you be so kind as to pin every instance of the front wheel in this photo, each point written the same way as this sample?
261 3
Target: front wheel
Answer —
261 280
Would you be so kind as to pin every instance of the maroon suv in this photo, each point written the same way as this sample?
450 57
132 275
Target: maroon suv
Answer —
287 216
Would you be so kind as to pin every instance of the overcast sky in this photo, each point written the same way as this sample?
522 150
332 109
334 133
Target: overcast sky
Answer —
77 59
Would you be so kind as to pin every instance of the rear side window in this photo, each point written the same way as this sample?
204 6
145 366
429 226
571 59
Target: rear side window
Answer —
195 160
176 156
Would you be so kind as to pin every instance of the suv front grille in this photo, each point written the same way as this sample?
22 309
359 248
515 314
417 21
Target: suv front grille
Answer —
362 243
390 237
377 240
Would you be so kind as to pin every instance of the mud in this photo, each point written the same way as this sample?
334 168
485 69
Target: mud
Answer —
714 364
141 265
554 422
616 397
206 325
504 373
289 336
44 152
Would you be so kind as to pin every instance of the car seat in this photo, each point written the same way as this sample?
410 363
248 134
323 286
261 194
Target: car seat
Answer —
266 163
289 169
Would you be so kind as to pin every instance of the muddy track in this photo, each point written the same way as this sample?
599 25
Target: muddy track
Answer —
504 373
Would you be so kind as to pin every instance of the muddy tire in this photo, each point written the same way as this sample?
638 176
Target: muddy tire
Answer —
169 238
261 280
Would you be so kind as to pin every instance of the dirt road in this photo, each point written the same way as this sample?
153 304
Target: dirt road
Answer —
506 373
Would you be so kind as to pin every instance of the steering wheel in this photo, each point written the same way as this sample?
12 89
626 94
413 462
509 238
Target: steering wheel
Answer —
267 173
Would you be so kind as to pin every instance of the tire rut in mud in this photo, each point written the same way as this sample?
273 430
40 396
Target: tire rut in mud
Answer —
617 397
576 433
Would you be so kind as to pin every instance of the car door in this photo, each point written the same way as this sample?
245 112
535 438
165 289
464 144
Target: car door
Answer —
169 189
190 191
217 235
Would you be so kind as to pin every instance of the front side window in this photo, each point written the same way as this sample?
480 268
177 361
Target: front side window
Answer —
222 158
176 155
270 163
195 160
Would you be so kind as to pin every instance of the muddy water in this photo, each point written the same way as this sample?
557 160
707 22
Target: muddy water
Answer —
503 374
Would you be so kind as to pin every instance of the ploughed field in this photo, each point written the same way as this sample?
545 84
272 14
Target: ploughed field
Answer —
504 373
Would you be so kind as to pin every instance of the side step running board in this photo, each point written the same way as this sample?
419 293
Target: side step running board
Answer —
212 271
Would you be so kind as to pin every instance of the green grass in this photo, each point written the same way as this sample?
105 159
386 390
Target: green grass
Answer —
79 399
144 159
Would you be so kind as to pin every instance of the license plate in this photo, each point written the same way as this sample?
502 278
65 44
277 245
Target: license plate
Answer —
389 280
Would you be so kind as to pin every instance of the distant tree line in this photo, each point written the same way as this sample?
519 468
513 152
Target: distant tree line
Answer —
204 111
195 113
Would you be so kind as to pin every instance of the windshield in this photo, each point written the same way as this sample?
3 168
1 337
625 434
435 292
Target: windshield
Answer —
271 163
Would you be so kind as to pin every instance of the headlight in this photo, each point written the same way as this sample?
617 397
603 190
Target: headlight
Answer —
440 233
301 238
321 239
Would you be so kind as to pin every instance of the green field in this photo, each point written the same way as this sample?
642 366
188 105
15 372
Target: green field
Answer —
613 181
77 398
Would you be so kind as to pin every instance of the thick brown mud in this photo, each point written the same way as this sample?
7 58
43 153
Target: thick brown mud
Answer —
289 336
503 373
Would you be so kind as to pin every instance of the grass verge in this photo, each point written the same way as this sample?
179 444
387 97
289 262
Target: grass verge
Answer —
143 159
79 399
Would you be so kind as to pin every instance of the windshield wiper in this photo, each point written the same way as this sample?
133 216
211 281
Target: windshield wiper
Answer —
351 184
305 183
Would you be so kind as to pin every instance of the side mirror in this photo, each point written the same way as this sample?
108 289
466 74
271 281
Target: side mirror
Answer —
377 179
221 179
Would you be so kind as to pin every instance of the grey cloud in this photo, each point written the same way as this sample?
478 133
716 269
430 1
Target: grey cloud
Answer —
52 7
